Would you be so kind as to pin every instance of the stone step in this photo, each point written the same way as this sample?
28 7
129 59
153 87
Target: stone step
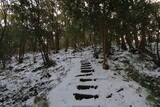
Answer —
85 87
87 71
84 96
88 68
84 66
86 80
89 74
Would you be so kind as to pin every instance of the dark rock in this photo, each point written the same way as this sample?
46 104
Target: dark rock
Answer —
19 70
10 67
109 96
115 59
114 74
25 98
120 90
2 100
39 68
100 62
47 75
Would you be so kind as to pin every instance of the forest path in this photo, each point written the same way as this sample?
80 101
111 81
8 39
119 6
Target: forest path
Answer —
88 85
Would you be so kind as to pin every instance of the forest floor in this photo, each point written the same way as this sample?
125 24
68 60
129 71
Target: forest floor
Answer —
77 80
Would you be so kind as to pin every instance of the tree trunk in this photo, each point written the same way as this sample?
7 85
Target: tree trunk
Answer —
129 42
105 39
4 64
44 52
43 47
158 55
21 50
118 42
109 43
34 49
57 42
136 40
4 28
66 43
123 44
53 43
143 41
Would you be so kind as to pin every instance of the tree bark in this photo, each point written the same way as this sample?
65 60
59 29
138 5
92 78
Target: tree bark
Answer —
104 42
158 55
21 50
5 26
143 41
123 44
66 43
136 41
57 42
129 41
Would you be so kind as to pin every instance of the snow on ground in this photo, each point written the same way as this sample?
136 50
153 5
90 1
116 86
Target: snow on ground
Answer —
23 82
19 85
112 89
142 64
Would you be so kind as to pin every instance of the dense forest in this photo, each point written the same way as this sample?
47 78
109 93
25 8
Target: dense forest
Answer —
48 26
40 25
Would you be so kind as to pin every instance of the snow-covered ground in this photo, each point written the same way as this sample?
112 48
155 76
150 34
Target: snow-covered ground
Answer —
142 64
19 85
112 89
60 83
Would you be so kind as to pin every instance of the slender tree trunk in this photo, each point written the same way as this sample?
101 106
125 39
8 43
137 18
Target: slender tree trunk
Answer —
21 50
118 42
57 42
66 43
109 43
129 41
44 52
53 43
123 44
4 64
34 49
136 39
94 39
143 41
104 42
158 55
4 28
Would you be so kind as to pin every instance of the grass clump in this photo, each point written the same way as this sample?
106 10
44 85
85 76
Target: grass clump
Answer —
41 101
